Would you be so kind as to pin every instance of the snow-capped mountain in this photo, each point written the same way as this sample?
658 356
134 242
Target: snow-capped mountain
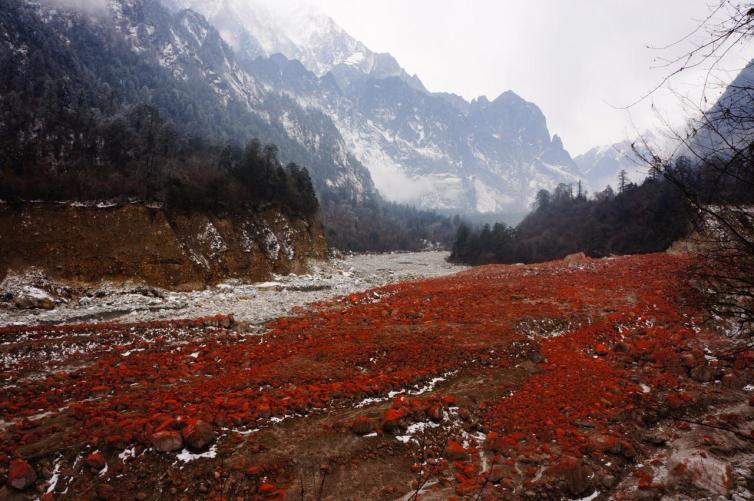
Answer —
601 165
142 53
261 28
433 150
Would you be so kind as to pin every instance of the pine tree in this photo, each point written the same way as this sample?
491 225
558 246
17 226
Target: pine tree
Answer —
622 181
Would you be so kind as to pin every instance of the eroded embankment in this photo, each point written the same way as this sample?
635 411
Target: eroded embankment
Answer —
542 382
134 241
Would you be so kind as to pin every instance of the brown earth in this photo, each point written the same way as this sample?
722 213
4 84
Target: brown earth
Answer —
137 242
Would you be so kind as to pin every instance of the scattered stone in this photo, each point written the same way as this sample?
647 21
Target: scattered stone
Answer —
198 435
167 441
21 475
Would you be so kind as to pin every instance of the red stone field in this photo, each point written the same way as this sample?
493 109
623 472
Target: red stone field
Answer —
550 381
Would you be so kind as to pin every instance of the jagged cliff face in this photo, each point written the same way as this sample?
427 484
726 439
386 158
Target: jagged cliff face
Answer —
432 150
92 243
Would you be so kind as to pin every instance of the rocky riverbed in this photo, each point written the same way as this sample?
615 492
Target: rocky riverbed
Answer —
31 298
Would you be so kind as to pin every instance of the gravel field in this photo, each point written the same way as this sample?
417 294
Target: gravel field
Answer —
248 302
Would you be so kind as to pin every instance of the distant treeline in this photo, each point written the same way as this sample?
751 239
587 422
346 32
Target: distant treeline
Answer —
377 225
639 218
137 155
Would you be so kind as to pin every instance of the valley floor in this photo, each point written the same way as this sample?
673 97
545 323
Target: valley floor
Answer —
253 303
587 379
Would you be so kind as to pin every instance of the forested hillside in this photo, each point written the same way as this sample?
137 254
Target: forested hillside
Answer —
133 102
639 218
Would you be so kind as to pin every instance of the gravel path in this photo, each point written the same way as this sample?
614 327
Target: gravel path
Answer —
249 302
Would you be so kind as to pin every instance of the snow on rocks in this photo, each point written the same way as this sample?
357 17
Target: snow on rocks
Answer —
254 303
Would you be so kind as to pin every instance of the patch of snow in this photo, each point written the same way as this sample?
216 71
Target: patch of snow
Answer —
590 497
186 456
55 477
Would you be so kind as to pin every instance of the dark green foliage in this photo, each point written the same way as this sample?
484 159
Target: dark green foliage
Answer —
139 156
645 218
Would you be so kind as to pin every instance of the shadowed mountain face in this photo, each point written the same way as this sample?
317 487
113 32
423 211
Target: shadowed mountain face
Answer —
434 150
132 52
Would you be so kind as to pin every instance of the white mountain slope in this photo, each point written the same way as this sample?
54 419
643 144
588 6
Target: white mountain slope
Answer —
601 165
295 29
431 150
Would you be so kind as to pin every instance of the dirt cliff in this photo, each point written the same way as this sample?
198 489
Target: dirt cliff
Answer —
92 242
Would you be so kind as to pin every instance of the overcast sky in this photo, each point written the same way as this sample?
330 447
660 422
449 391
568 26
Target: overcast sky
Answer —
576 60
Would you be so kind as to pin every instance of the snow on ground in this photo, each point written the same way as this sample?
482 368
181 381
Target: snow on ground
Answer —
248 302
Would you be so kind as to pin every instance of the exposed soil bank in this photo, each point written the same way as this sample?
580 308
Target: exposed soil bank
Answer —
107 242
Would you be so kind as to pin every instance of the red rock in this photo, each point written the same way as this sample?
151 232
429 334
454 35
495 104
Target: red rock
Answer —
464 413
703 373
266 488
688 359
392 419
96 461
498 473
167 441
362 425
573 472
455 451
435 413
21 475
105 491
731 380
198 435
